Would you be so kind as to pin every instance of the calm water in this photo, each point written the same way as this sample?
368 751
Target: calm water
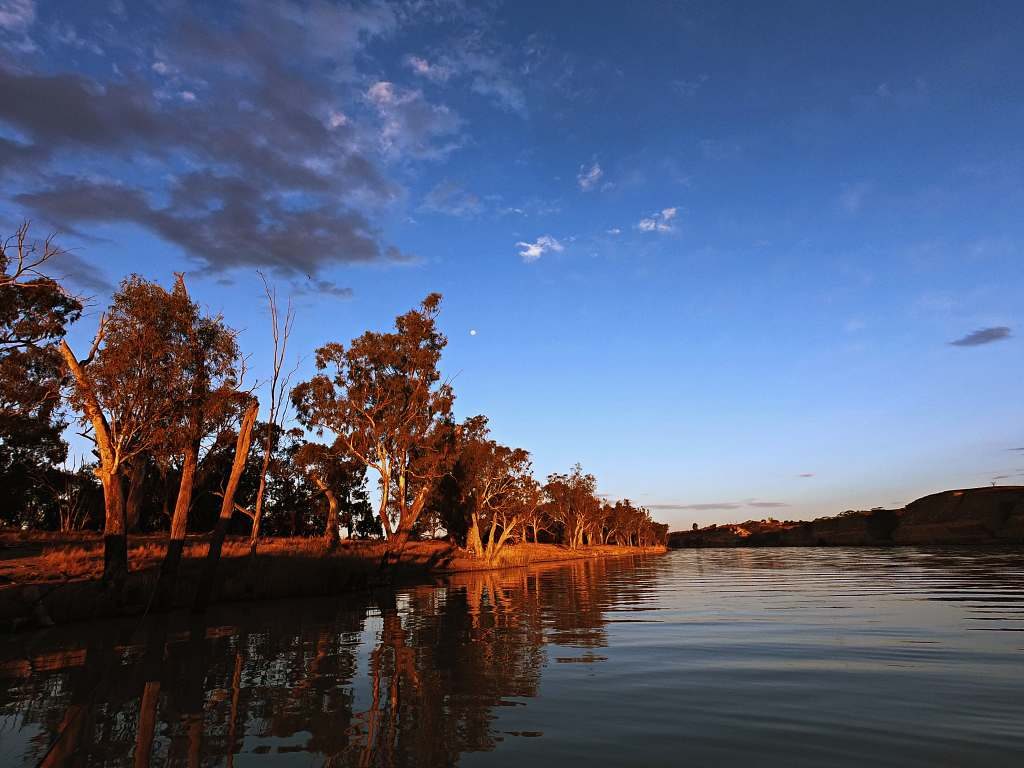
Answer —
717 657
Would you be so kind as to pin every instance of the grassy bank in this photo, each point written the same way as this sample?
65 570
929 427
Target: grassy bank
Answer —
50 578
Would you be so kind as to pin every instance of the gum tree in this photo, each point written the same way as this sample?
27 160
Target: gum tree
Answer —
130 390
34 314
383 400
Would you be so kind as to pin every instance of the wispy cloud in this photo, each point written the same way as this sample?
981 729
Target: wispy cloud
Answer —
709 507
17 15
484 65
410 125
543 244
982 336
659 222
719 505
588 178
437 72
451 199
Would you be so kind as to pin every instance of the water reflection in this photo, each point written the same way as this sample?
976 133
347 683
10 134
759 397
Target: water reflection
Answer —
411 677
801 657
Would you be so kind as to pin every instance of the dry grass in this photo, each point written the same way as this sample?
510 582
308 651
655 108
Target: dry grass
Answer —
62 557
48 557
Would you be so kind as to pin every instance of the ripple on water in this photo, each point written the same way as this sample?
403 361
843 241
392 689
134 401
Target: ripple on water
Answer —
788 657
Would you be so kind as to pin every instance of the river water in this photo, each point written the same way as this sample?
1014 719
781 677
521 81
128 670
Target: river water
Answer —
787 657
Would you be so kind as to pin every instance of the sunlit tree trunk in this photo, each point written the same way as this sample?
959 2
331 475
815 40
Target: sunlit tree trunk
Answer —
227 508
115 542
473 542
331 534
179 526
257 510
115 539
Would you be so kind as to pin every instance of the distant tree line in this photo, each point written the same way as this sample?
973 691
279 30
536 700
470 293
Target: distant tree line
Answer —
161 394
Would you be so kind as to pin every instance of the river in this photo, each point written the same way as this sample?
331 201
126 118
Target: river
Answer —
767 657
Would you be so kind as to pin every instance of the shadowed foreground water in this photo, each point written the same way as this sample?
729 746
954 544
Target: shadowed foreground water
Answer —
701 657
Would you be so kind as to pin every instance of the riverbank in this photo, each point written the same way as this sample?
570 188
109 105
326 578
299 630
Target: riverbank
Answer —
54 579
991 515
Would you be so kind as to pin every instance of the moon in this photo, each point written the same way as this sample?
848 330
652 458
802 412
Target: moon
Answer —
472 331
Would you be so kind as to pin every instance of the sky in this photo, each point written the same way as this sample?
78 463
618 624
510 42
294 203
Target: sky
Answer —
739 260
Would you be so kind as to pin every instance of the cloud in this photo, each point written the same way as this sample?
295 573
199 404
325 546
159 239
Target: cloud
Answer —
983 336
321 288
451 199
73 268
265 169
718 505
223 222
543 244
410 125
17 15
614 231
436 72
483 64
491 76
659 222
589 177
715 505
806 474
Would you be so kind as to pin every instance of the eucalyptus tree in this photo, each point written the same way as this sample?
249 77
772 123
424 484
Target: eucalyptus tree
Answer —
338 477
574 503
130 390
206 370
35 312
383 399
497 488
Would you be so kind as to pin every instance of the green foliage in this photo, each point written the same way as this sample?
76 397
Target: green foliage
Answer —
34 314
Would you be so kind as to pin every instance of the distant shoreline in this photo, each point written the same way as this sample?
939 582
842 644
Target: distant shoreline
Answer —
32 596
989 515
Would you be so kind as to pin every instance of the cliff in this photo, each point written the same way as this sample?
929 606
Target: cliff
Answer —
993 515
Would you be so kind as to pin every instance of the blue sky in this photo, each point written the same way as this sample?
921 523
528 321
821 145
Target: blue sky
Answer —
716 252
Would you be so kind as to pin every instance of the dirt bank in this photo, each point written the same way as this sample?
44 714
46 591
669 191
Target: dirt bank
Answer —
47 579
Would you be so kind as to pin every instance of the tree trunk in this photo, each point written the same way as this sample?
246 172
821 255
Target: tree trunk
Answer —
171 565
331 535
136 478
115 541
227 508
257 510
473 542
494 546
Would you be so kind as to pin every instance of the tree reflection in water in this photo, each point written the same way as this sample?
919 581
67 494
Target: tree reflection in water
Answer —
394 678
